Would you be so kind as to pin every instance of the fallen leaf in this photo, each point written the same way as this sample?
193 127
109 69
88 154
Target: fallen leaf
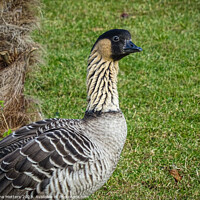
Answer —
124 15
175 174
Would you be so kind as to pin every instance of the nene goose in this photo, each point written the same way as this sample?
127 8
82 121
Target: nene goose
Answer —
70 158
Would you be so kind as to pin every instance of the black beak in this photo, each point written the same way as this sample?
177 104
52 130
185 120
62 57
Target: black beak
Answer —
129 47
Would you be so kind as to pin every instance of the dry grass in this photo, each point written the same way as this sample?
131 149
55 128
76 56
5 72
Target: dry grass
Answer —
17 20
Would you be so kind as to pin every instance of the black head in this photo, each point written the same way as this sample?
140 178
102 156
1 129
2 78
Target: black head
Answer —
115 44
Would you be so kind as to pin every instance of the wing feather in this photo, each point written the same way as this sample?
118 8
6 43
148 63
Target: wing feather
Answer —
53 147
24 135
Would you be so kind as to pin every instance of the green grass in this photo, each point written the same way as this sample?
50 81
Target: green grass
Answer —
159 88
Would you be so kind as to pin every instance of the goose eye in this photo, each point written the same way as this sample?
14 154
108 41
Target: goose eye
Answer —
116 38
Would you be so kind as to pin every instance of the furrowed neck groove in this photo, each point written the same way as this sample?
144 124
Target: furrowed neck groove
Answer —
102 84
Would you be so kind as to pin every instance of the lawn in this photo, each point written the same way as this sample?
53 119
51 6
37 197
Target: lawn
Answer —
159 88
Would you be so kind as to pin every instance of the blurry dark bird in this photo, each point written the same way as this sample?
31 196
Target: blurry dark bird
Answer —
72 158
